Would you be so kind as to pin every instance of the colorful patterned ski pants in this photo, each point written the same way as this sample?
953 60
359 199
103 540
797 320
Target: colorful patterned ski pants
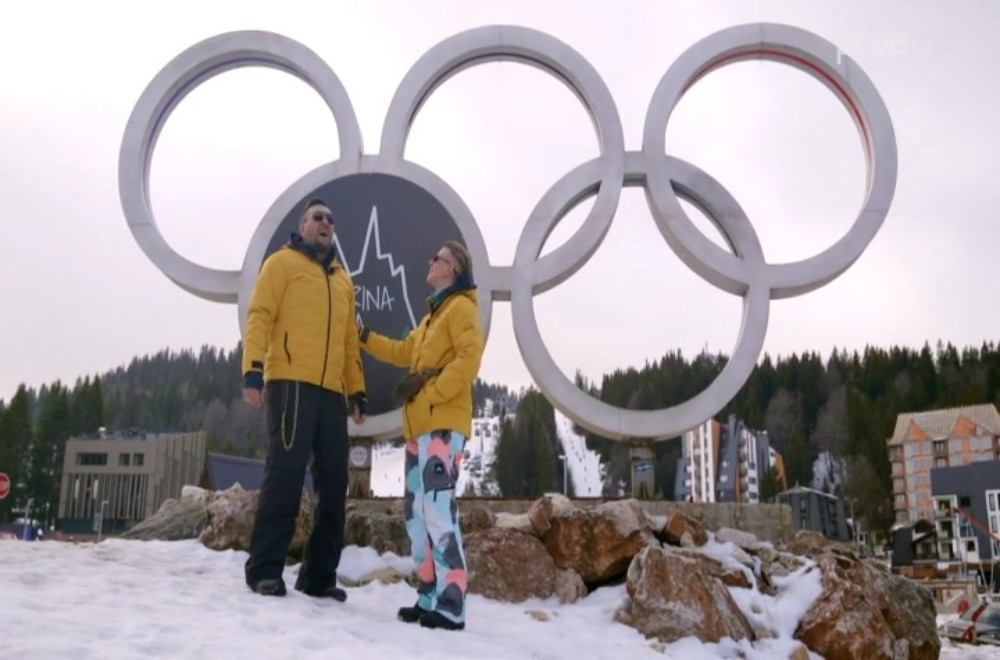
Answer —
432 466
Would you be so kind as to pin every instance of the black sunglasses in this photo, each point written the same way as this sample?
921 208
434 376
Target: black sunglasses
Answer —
320 217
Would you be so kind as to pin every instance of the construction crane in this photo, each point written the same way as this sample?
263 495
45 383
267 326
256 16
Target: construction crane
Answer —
993 538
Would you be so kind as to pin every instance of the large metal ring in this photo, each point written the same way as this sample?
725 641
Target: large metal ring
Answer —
177 79
387 424
743 271
822 60
606 419
538 49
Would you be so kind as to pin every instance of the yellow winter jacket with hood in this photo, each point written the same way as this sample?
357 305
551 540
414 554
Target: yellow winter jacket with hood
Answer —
301 323
450 338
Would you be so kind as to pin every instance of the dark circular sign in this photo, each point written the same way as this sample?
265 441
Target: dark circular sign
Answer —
386 231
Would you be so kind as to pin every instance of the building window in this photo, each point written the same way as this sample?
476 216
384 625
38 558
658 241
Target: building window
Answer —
138 459
123 459
993 502
803 505
91 459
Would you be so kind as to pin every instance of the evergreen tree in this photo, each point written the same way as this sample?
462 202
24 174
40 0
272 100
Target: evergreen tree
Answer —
48 451
770 485
15 448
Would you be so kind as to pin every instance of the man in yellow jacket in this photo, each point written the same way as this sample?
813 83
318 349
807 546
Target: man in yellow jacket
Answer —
443 354
302 342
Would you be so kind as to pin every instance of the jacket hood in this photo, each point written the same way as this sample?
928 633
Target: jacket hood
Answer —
463 286
296 242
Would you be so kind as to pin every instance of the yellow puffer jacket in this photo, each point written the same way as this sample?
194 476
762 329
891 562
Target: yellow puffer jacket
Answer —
450 338
300 322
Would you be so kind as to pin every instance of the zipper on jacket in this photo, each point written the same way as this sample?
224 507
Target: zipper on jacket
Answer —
288 353
329 321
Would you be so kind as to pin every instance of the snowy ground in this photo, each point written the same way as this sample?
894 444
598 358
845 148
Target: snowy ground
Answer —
132 599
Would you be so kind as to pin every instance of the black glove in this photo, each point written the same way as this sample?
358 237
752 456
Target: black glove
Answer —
363 330
410 386
359 402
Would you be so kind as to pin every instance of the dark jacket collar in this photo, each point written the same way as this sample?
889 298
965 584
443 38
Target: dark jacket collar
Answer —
462 283
296 242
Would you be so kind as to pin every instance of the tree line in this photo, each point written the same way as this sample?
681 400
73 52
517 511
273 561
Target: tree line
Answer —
170 390
34 428
843 408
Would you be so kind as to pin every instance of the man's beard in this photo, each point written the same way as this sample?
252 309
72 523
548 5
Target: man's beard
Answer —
321 249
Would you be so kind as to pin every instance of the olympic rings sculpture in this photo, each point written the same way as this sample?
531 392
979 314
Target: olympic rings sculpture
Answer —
665 179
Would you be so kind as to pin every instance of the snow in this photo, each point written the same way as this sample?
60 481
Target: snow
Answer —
131 599
585 468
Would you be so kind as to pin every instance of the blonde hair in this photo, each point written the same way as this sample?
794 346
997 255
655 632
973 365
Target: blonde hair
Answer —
463 260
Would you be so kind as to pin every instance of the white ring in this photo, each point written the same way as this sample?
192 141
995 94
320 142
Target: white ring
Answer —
385 425
547 53
176 80
742 272
820 59
608 420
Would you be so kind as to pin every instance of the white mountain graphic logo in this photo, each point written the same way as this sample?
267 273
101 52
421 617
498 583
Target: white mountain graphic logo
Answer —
376 296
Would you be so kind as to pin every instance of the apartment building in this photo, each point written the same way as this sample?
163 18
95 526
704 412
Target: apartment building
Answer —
125 477
725 463
817 511
967 512
923 441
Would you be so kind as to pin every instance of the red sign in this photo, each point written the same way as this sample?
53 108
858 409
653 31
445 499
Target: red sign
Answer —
4 485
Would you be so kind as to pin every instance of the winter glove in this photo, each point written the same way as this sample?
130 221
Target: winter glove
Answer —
410 386
363 330
254 380
359 403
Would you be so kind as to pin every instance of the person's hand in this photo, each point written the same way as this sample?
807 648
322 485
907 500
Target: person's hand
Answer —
253 388
253 396
359 406
362 329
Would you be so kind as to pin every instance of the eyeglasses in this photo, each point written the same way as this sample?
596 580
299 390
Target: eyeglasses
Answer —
320 217
438 257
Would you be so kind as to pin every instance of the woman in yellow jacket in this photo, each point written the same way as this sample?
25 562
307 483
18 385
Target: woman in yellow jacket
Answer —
443 354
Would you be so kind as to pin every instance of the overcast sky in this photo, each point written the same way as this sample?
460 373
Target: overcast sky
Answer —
78 296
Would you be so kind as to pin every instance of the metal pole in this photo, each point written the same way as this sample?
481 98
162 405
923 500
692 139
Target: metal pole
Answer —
100 528
562 457
854 524
27 518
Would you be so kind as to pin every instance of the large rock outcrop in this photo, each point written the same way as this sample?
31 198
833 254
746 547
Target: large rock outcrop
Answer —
681 580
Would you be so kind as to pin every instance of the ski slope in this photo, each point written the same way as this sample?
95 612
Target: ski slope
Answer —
585 469
388 461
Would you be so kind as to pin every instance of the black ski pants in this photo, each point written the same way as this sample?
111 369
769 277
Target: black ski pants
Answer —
303 420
